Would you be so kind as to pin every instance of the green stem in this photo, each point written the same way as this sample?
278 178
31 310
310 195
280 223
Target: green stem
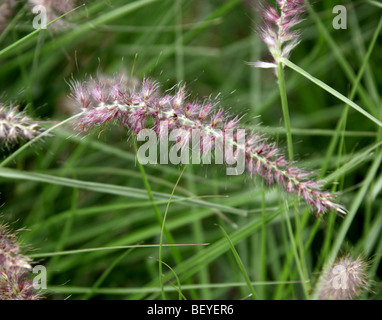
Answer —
284 105
240 265
168 235
162 232
332 91
298 259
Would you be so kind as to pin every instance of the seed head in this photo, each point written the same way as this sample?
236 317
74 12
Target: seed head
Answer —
117 101
16 285
277 31
16 126
10 257
346 280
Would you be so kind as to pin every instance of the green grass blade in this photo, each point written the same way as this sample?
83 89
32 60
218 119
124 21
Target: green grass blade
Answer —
330 90
162 231
240 264
191 266
108 189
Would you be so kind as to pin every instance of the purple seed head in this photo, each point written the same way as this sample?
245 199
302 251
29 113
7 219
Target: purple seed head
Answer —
10 257
140 104
16 126
346 279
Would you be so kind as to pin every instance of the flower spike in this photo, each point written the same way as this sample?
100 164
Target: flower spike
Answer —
14 270
345 280
112 100
276 30
16 126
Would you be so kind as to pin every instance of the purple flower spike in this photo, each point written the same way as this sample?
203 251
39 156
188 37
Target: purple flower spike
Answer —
14 270
276 30
139 104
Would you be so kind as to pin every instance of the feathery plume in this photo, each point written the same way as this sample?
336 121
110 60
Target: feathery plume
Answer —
14 270
344 281
16 126
114 100
276 30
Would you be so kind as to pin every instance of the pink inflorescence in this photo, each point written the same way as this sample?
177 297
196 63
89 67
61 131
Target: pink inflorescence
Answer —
345 280
276 29
14 270
6 8
54 9
16 126
132 104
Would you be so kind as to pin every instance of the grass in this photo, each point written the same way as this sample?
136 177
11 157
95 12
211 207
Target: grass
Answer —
102 223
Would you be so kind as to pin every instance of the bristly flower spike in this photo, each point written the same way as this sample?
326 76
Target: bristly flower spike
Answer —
276 30
345 280
112 100
14 270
